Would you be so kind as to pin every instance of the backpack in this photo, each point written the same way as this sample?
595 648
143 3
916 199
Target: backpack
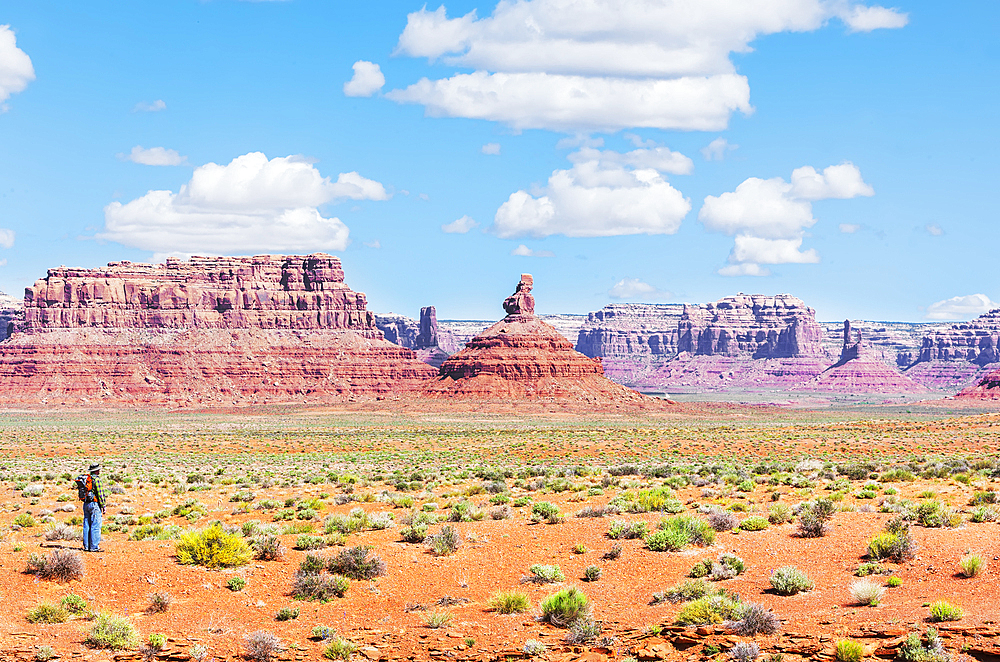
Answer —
85 487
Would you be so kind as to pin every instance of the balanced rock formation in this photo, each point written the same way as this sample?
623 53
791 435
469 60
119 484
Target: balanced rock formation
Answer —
523 358
431 343
209 331
960 355
860 371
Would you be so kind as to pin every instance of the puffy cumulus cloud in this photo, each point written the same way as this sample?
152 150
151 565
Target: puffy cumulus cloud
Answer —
147 107
605 65
524 251
250 205
959 308
717 149
6 238
16 70
491 148
769 217
604 194
154 156
633 288
459 225
367 80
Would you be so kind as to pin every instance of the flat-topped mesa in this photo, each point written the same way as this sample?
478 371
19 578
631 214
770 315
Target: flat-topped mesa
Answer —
751 326
304 292
977 341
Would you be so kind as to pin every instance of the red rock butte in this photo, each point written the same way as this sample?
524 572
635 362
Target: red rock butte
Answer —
209 331
987 388
523 358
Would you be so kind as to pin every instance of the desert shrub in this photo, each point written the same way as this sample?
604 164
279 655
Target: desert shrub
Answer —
813 517
261 646
934 514
745 651
355 562
971 565
416 533
74 604
984 514
534 647
710 609
565 606
789 580
45 653
114 632
677 532
779 513
731 561
894 543
545 574
155 532
869 568
621 528
945 611
501 512
849 651
755 523
438 618
306 542
667 541
159 602
339 649
322 632
62 532
62 565
755 619
319 586
464 511
866 592
445 542
591 573
690 589
25 520
46 613
654 499
913 649
509 602
702 568
287 614
236 584
583 630
722 520
213 548
612 554
893 582
543 511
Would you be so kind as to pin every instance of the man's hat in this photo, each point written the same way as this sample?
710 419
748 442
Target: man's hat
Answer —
95 467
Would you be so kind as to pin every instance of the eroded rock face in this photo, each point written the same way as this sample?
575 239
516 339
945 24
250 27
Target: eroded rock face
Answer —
304 292
859 370
976 342
11 314
988 387
522 357
431 343
210 331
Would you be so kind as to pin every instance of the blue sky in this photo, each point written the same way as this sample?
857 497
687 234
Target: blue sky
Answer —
621 151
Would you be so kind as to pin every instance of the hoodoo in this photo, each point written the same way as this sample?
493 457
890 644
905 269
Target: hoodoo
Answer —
208 332
523 358
860 371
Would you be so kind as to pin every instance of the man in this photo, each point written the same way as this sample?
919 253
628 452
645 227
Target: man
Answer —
94 505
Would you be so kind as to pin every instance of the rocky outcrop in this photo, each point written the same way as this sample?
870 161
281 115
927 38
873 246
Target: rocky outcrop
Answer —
959 356
860 371
523 358
11 314
987 387
209 331
424 336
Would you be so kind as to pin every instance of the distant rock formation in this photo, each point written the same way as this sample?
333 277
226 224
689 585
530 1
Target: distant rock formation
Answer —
959 355
986 388
860 371
206 332
431 343
523 358
11 314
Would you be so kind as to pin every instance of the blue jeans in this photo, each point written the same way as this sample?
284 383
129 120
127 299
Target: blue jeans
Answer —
91 526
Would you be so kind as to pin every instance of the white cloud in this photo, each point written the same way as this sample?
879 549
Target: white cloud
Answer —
491 148
6 238
748 269
957 308
633 288
459 226
769 217
146 107
250 205
373 244
602 195
154 156
717 149
865 19
849 228
600 65
16 70
524 251
934 230
367 80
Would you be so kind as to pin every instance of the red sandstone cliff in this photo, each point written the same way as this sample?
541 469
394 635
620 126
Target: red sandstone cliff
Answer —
209 331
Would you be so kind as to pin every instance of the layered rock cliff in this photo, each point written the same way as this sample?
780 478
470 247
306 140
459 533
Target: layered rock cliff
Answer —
11 314
959 356
859 370
209 331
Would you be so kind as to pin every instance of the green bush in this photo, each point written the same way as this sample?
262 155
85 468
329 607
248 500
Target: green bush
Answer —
509 602
779 513
789 580
547 512
546 573
934 514
355 562
849 651
688 590
74 604
287 614
945 611
114 632
971 565
565 606
677 532
893 582
591 573
236 584
46 613
339 649
213 548
621 528
710 609
914 649
869 568
895 543
754 523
